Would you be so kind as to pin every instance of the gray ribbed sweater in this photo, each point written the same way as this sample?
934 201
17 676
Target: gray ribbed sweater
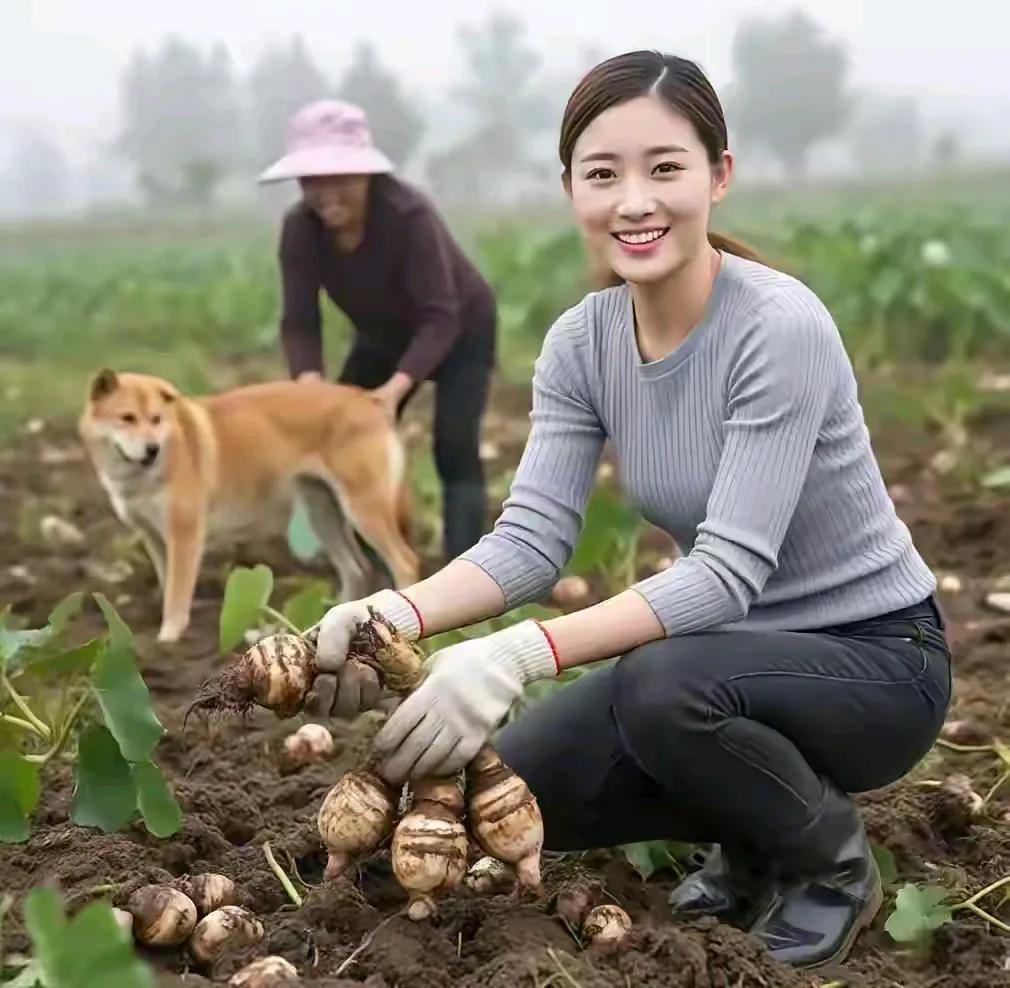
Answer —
746 444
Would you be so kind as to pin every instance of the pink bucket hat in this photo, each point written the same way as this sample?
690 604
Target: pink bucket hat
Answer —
328 137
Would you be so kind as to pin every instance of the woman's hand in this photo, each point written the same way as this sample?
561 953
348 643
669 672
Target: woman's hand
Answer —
345 688
390 394
469 689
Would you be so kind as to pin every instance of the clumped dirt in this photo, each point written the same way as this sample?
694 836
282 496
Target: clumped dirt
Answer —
236 794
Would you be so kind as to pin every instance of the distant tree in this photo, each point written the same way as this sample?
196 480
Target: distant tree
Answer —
182 126
508 107
789 88
887 133
283 79
396 126
36 176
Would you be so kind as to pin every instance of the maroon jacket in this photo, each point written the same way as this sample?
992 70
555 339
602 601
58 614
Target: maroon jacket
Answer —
408 288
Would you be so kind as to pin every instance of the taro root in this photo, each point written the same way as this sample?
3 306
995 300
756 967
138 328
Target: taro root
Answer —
504 815
399 664
225 927
575 899
356 816
209 891
308 744
276 673
267 972
162 916
489 875
124 920
606 925
430 844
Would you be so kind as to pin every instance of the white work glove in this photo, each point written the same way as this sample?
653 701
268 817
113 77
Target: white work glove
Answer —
345 688
468 692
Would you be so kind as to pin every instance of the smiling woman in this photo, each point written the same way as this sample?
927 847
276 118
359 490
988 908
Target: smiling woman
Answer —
792 655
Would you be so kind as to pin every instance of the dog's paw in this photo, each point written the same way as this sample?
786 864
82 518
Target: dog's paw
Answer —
170 633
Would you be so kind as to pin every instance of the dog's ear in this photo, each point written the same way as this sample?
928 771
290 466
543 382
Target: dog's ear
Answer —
169 396
103 384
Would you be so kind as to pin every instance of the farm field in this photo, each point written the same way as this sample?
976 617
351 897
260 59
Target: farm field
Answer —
922 295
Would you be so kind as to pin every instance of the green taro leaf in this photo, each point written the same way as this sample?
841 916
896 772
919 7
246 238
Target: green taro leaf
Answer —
87 952
304 608
917 912
649 856
64 612
607 520
74 660
246 593
19 792
161 812
126 703
886 865
104 796
120 635
998 479
16 647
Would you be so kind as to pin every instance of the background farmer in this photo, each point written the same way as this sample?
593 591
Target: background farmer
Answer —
420 309
791 656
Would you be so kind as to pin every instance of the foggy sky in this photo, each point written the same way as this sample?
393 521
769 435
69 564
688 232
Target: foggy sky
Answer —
60 59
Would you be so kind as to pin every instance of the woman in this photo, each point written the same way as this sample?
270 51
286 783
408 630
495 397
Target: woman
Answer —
791 656
421 310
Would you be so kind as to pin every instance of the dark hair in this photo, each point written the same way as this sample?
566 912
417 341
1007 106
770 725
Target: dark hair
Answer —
679 81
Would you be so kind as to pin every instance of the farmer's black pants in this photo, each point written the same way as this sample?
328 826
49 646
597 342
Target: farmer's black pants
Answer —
726 736
461 382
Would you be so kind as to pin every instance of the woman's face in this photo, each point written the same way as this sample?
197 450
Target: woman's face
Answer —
642 188
340 201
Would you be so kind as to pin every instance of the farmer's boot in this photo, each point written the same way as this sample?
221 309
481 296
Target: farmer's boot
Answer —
463 507
730 885
828 889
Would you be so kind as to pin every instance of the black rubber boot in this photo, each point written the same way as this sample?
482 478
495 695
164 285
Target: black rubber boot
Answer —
463 508
730 885
828 889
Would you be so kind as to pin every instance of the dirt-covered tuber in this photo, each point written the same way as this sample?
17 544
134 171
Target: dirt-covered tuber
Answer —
162 916
229 926
489 875
276 673
606 925
399 664
267 972
575 898
430 844
504 815
308 744
356 816
124 920
209 891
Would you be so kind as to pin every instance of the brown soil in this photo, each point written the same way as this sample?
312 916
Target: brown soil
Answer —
236 795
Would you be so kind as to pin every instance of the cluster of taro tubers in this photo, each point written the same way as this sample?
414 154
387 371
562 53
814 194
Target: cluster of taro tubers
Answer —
430 842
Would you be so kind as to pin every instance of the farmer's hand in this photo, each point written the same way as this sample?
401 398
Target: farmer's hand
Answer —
469 689
390 394
345 689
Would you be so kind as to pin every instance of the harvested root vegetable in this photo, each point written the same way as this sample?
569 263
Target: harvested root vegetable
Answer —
308 744
162 916
575 899
570 590
504 815
124 920
209 891
356 816
960 787
399 664
489 875
268 972
430 845
606 925
276 673
229 926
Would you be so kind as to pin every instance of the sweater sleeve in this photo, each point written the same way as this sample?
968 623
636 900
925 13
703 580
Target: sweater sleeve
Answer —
301 325
542 517
776 395
433 293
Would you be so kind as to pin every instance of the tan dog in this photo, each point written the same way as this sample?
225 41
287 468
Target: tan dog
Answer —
188 474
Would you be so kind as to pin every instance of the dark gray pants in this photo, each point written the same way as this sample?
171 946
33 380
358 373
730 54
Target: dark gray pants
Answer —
725 737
